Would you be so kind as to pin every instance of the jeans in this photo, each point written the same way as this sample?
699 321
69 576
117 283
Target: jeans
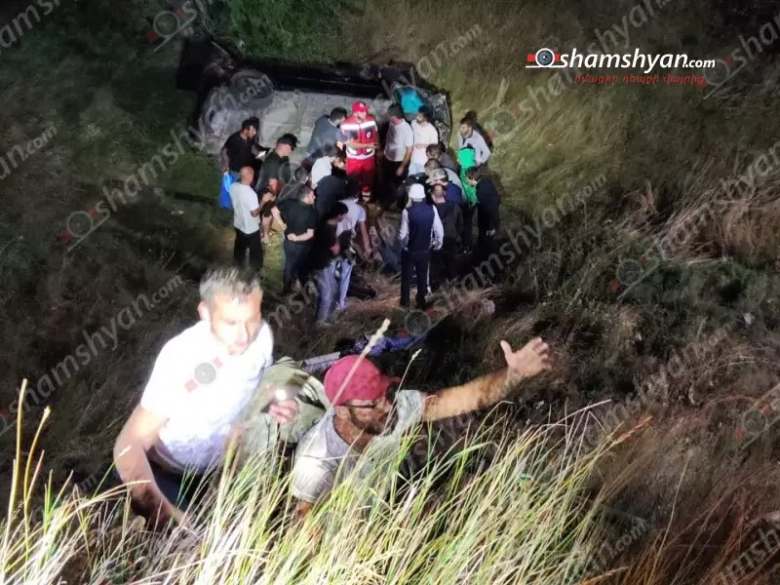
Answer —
421 262
295 258
249 242
331 281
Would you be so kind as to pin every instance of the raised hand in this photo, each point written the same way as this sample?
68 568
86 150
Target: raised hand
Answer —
532 359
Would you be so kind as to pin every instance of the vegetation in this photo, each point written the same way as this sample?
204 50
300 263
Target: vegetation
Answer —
681 354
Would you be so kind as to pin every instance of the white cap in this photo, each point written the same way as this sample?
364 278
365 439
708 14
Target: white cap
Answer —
416 192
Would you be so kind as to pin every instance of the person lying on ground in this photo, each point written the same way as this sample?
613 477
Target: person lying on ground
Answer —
201 380
331 158
246 220
330 269
300 218
368 418
425 134
327 132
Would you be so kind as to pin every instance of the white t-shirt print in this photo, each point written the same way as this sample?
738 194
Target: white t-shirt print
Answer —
201 391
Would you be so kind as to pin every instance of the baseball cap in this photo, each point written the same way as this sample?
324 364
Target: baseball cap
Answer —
367 381
437 176
359 106
416 192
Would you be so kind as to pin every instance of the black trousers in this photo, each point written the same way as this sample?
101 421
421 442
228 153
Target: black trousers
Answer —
421 262
487 225
296 256
468 219
391 183
249 242
444 263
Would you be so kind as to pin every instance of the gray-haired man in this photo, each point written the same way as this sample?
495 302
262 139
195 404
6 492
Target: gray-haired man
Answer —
200 388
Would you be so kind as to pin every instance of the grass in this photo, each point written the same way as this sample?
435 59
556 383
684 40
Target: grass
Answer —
526 516
661 150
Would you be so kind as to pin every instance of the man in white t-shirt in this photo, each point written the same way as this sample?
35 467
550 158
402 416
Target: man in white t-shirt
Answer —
468 135
246 220
201 381
398 151
425 133
331 158
368 422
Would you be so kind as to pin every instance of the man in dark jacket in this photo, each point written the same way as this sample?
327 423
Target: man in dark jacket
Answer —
298 214
488 202
326 132
421 230
445 260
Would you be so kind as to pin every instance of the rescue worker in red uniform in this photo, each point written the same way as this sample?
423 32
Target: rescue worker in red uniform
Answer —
360 135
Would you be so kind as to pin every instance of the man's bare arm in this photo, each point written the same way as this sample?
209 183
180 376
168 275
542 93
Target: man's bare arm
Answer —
487 390
132 464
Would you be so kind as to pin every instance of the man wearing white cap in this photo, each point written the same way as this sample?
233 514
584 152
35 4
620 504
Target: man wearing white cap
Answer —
421 230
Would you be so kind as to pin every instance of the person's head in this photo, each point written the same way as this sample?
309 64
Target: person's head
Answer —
246 175
249 128
366 194
431 166
433 152
337 115
437 176
424 115
360 110
286 144
337 213
305 194
474 174
466 127
301 175
438 193
339 161
416 193
230 302
360 394
395 113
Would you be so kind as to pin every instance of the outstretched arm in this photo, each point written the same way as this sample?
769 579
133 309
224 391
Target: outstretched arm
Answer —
132 464
487 390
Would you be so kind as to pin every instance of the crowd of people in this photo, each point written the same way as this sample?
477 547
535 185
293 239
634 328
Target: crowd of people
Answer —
213 384
332 208
209 388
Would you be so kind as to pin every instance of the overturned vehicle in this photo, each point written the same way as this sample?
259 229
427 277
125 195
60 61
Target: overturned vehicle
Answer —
291 97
